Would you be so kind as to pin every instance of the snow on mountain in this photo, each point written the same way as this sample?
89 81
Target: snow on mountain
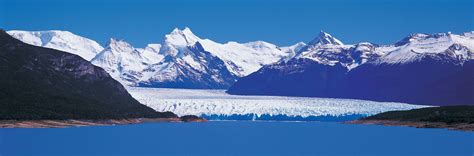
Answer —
415 47
151 53
182 62
404 71
188 67
177 40
240 58
175 60
243 59
60 40
177 56
325 38
217 102
292 50
187 60
122 61
469 34
328 50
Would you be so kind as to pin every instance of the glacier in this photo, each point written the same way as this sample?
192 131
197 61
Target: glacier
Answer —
218 105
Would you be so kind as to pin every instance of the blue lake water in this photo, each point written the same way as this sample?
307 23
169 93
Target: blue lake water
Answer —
236 138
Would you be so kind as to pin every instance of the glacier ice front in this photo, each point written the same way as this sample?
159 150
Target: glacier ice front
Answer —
218 105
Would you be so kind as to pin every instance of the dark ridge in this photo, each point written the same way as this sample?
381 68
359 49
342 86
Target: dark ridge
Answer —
445 114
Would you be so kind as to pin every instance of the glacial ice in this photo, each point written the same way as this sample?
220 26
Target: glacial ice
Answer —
217 104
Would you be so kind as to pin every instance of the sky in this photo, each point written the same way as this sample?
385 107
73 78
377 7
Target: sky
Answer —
282 22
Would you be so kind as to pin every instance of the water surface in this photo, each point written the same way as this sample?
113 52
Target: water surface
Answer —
236 138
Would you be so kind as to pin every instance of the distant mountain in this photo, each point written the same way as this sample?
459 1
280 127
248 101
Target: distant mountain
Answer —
433 69
317 69
420 69
194 68
60 40
177 63
43 83
122 61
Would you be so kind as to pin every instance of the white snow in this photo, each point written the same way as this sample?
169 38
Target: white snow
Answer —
149 64
167 72
319 53
292 50
60 40
151 53
121 60
217 102
326 49
195 64
247 57
325 38
240 58
422 44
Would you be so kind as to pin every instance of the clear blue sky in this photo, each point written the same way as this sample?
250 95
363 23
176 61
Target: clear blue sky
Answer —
282 22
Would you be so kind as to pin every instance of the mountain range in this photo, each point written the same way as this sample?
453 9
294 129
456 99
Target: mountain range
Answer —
182 60
434 69
431 69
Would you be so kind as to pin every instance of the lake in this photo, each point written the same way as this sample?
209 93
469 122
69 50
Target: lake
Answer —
236 138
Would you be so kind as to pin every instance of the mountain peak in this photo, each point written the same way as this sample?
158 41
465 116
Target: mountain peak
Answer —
115 41
322 33
119 45
186 32
182 37
325 38
410 38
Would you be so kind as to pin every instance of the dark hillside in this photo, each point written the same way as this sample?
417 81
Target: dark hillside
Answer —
42 83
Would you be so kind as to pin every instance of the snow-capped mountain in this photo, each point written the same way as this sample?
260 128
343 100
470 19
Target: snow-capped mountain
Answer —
189 67
325 39
192 62
422 69
60 40
181 60
417 46
328 50
122 61
240 59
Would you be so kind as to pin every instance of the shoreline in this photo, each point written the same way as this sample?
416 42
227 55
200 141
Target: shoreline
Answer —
83 123
417 124
111 122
